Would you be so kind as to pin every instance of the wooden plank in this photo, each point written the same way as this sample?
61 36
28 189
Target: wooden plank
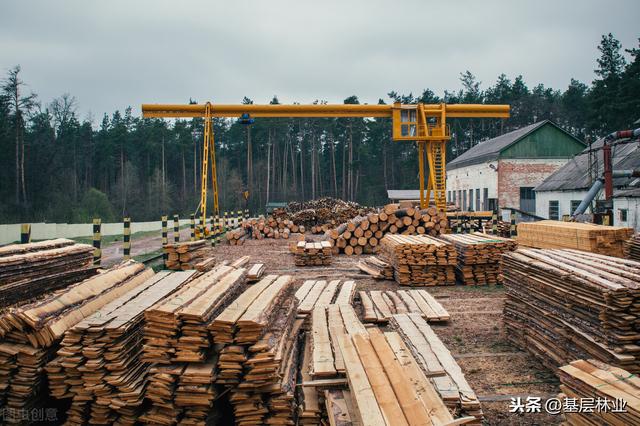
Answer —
327 294
351 322
381 305
435 306
302 292
323 363
336 326
306 306
345 296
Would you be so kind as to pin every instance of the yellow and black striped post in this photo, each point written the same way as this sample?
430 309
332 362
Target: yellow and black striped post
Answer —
246 214
240 216
226 221
494 222
513 231
97 240
126 238
165 237
217 223
25 233
176 228
193 227
214 235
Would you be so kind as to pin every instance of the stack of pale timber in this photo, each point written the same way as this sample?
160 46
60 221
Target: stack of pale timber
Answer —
269 227
419 260
380 306
376 267
567 304
604 385
189 255
314 293
363 233
607 240
255 272
30 334
479 257
30 270
313 253
98 363
438 364
176 327
632 248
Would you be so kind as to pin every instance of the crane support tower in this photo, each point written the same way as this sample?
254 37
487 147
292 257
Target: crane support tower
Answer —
424 124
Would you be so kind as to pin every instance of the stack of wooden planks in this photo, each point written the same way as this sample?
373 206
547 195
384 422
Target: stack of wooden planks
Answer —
176 327
376 267
189 255
379 306
30 333
479 257
632 248
314 293
419 260
567 304
607 240
313 253
98 363
438 364
613 393
30 270
255 272
363 233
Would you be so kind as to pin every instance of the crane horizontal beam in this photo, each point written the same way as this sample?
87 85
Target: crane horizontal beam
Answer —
321 110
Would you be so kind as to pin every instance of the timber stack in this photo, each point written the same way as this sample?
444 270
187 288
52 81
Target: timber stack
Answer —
607 240
480 257
564 305
30 270
189 255
30 333
362 234
270 227
376 267
632 248
322 214
419 260
313 253
379 306
613 390
98 364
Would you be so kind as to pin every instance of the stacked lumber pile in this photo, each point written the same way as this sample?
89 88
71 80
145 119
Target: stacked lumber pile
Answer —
612 390
376 267
567 304
175 328
363 233
98 363
255 272
313 293
438 364
479 257
30 334
30 270
270 227
380 306
419 260
313 253
189 255
632 248
607 240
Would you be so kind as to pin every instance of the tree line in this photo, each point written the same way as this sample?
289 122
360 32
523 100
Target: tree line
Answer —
57 167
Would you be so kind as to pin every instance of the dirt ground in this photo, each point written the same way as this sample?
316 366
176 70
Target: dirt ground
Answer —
495 369
112 253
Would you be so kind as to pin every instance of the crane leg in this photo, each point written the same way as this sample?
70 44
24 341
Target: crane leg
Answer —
421 172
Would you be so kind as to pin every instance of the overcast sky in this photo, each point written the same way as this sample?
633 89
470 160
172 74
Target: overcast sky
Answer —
111 54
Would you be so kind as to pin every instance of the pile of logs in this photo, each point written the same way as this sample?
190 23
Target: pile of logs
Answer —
632 248
376 267
313 253
419 260
613 393
98 363
479 257
438 364
30 270
379 306
363 233
567 304
607 240
261 228
30 334
323 213
189 255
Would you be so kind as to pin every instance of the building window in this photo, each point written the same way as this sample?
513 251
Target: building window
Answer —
478 199
527 199
554 210
453 193
574 205
464 201
460 198
470 199
623 215
493 204
485 199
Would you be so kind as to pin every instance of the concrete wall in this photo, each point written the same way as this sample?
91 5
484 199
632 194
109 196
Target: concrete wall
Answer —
45 231
516 173
632 205
476 176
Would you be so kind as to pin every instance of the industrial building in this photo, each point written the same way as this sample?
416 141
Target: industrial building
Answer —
502 172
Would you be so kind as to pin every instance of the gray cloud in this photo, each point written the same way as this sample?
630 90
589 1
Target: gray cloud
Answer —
118 53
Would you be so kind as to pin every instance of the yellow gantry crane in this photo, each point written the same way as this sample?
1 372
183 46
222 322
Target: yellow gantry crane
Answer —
424 124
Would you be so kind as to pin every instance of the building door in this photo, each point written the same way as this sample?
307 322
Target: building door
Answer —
527 199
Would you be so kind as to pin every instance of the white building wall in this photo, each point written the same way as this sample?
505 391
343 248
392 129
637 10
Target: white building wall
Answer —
476 176
632 205
564 199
